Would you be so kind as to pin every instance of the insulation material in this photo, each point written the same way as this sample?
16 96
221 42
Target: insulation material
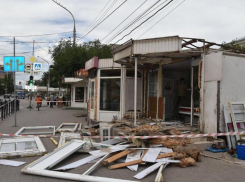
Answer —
148 170
132 157
187 162
11 163
151 155
190 151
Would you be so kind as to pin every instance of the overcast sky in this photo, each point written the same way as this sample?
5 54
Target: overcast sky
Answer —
213 20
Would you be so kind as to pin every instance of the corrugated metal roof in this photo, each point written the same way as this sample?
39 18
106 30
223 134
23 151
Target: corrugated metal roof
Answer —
108 63
148 46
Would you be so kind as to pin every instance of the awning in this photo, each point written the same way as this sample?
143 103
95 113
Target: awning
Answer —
71 80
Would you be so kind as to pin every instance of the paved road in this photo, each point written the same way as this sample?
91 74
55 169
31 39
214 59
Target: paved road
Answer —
209 170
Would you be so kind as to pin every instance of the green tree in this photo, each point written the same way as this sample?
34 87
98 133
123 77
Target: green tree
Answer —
233 46
69 58
2 87
9 83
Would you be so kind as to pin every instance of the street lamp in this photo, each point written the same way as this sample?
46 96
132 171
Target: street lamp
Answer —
48 75
74 29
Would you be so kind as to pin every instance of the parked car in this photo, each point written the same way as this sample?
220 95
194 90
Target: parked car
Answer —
7 96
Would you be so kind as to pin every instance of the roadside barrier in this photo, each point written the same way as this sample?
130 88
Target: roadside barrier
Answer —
143 137
7 108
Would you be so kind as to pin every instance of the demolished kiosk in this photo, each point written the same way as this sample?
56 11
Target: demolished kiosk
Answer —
213 76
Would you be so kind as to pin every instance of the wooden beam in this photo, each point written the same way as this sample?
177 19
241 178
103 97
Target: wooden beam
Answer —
188 42
116 166
117 156
166 155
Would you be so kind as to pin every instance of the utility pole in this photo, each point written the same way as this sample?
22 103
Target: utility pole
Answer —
30 96
74 28
15 117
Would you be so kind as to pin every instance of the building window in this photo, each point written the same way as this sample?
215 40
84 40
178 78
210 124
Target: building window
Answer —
110 73
79 94
92 94
110 94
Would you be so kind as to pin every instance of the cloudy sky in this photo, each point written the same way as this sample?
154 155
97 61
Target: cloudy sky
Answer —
213 20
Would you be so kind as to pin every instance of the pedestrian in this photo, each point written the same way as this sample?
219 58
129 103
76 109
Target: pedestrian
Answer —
48 100
64 99
51 100
39 101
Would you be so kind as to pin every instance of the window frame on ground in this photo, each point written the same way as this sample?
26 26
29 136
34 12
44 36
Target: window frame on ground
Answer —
40 149
68 136
20 132
42 166
73 127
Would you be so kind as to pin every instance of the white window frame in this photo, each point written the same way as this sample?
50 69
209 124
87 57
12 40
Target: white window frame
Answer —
20 132
23 153
106 77
42 165
60 129
67 135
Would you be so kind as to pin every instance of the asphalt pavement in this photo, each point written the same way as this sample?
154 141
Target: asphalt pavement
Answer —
209 170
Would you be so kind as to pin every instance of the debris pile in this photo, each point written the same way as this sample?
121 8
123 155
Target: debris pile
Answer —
149 153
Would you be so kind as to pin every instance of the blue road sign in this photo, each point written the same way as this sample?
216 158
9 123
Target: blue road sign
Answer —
12 63
37 66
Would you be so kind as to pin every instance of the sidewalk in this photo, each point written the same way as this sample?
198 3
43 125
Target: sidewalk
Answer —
209 170
45 117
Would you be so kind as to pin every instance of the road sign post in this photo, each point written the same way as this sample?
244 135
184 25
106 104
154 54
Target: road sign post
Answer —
14 64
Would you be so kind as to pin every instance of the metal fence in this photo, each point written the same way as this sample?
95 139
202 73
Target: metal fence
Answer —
7 108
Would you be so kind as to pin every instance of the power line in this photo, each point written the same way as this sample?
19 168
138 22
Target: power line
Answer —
16 53
26 42
162 18
131 23
124 19
92 23
34 35
42 48
100 20
103 20
144 21
152 10
155 17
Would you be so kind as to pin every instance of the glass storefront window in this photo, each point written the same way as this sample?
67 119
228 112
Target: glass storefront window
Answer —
79 94
110 94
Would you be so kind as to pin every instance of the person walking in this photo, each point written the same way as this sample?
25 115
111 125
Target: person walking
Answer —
48 100
39 101
51 100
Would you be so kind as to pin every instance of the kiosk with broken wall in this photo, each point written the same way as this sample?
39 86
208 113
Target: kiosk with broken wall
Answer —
108 86
164 61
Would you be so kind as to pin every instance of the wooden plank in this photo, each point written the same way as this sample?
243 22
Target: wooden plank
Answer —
161 107
166 155
152 107
117 156
116 166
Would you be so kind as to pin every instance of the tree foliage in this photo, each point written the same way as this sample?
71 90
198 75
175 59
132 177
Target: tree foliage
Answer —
69 58
233 46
